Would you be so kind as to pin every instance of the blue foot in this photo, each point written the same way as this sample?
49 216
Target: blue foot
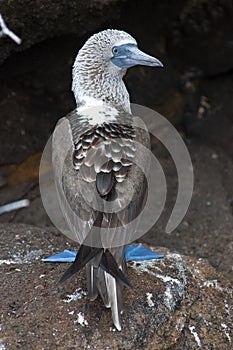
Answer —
140 253
65 256
132 253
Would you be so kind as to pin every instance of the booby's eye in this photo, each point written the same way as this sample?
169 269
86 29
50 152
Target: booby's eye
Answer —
115 50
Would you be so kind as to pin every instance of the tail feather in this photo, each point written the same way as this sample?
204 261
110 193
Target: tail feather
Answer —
84 255
115 299
109 264
92 278
105 275
102 287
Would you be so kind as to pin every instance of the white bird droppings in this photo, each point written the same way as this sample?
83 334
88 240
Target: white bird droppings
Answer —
112 329
213 284
149 300
81 320
17 259
78 294
226 331
194 333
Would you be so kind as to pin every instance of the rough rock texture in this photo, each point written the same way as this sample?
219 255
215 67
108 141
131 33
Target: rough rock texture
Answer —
206 25
192 38
175 303
38 20
182 24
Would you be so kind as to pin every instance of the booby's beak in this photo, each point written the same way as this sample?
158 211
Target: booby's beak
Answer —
129 55
138 57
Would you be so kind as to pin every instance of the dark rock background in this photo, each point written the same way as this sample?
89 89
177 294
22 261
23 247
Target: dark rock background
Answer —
194 40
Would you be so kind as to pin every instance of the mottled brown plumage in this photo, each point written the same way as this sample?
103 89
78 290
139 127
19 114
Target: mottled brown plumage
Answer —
100 166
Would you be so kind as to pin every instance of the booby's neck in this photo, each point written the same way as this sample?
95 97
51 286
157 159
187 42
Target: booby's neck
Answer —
98 83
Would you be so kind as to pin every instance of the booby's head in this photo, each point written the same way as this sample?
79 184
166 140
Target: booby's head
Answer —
102 62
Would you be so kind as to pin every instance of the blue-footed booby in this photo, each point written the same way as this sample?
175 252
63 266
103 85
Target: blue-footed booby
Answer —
98 168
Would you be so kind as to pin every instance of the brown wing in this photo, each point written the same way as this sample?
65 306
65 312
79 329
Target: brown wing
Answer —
98 168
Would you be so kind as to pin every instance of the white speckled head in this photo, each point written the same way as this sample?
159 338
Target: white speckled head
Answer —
101 64
99 46
94 74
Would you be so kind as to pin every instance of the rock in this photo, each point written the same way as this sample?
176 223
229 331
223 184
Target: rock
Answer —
201 38
176 303
206 230
35 85
35 22
211 119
